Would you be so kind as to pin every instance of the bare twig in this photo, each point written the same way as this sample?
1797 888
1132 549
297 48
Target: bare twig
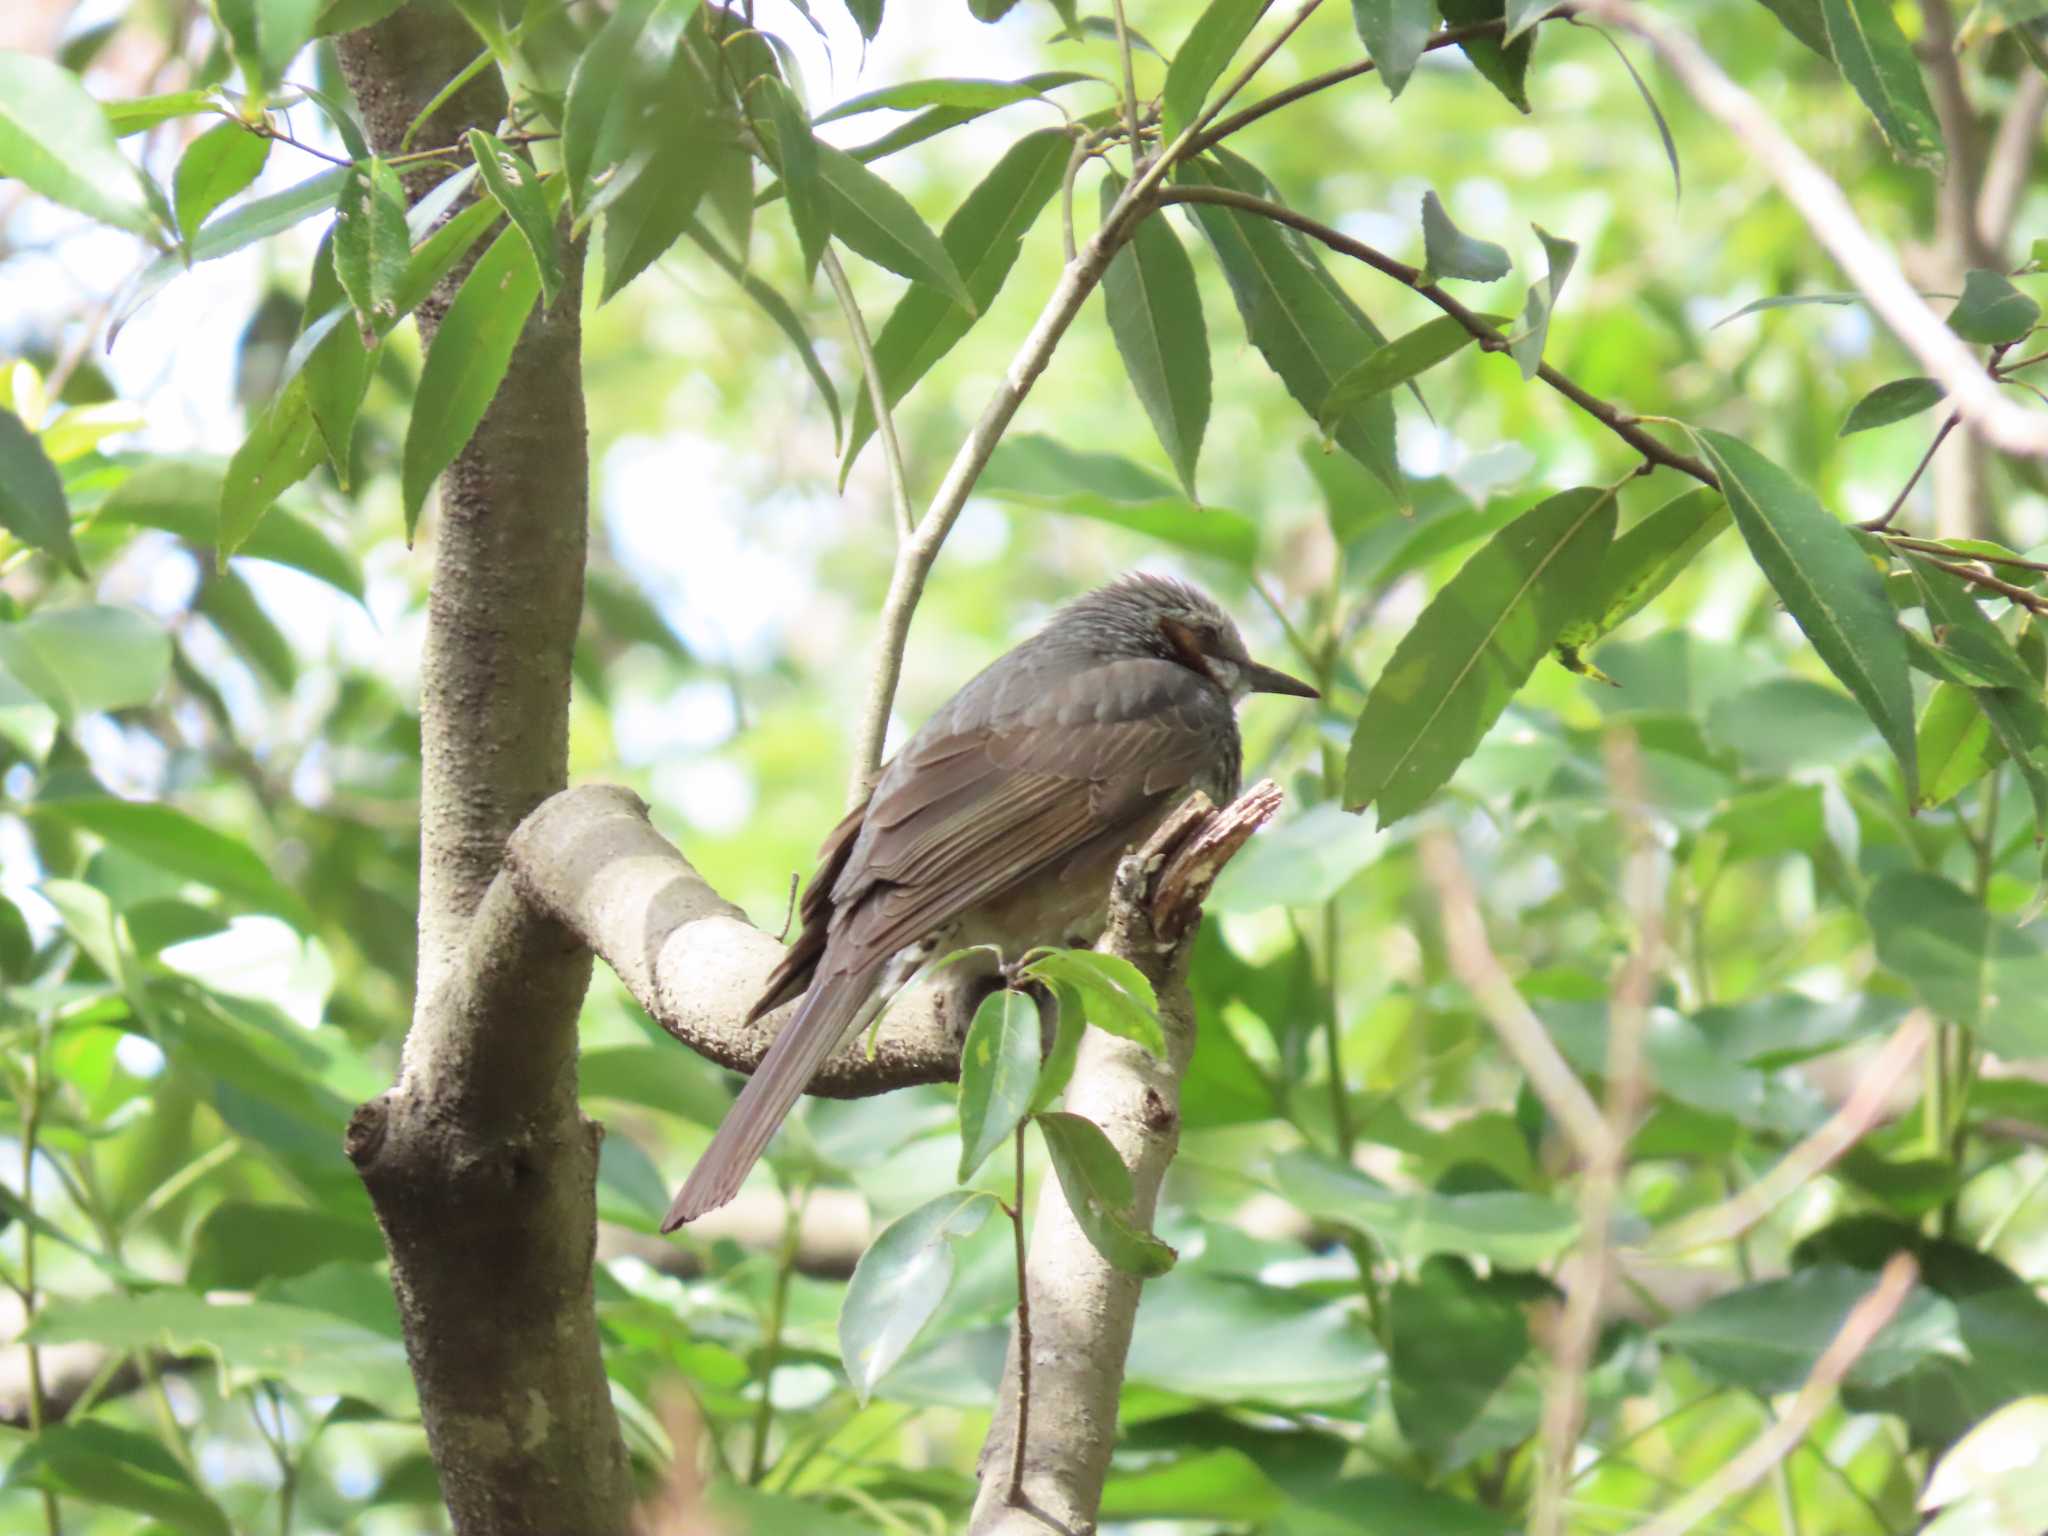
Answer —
1866 1320
1867 265
2033 602
1016 1210
1475 964
1564 1400
1936 547
1123 48
1843 1129
1879 524
878 400
2007 166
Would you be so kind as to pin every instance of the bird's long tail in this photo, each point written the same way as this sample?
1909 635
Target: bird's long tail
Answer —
792 1061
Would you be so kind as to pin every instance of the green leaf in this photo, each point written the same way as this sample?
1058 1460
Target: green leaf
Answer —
1647 559
1970 966
874 220
371 245
1038 472
776 307
1507 1227
283 27
1155 314
1955 744
100 1464
1962 627
471 351
1449 252
240 1244
1394 32
1803 19
32 504
1308 331
1877 60
182 496
1303 862
899 1282
1473 647
1831 590
1891 402
867 15
1768 1336
332 362
1100 1194
140 112
1227 1338
606 88
984 238
82 660
1642 89
1403 358
1212 42
1452 1339
1527 348
1505 67
219 164
1991 311
1524 14
795 152
516 187
439 252
998 1075
281 449
651 199
173 841
55 141
978 95
1057 1069
1115 993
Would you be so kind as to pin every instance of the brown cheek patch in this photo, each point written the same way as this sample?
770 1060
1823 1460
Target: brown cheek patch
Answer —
1185 650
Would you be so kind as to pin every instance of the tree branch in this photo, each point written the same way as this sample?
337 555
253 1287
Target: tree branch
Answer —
1082 1309
2010 161
1868 266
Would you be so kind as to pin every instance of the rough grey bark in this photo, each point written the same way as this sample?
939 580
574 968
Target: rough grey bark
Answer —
481 1167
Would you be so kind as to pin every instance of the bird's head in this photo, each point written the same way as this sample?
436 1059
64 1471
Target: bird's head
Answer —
1146 615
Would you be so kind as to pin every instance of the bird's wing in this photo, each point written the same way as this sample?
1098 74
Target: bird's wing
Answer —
966 814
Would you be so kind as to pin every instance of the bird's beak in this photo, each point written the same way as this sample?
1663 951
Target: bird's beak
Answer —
1265 679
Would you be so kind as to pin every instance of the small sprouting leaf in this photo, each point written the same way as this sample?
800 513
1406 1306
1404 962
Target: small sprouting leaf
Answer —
1527 349
1473 647
1966 963
1155 314
55 140
516 187
1647 559
1118 998
1831 590
1992 311
1100 1194
372 246
32 503
874 219
1877 60
471 351
1207 51
983 237
1505 66
1404 358
998 1075
216 166
899 1283
1394 32
1891 402
1449 252
777 308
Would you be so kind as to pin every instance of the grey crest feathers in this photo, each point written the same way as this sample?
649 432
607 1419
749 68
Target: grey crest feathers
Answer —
1000 820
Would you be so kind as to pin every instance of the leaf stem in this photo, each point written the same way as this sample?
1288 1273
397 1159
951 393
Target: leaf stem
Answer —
878 394
1016 1213
1123 48
1879 524
771 1346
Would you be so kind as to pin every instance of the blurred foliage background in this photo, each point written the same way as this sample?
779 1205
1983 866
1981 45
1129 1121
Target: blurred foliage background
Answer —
208 783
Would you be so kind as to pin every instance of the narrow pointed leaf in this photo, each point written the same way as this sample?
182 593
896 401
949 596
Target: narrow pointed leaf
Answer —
335 371
1803 19
1524 14
1404 358
218 165
55 140
900 1282
1891 402
777 309
1155 314
1210 45
1831 590
998 1075
281 449
1963 627
1527 349
1394 32
1100 1194
182 496
1036 471
32 503
1967 964
875 220
99 1464
1118 998
1504 66
981 95
1877 60
1954 742
516 187
983 238
651 199
1992 311
796 162
1647 559
1473 647
598 100
1449 252
372 245
1650 104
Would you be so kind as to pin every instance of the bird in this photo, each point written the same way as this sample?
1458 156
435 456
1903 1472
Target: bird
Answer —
1000 823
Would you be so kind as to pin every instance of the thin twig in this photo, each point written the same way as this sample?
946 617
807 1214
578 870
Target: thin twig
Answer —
1123 48
1616 420
1814 1155
1023 1334
1564 1400
771 1344
1868 266
1475 964
2010 161
271 131
1879 524
878 392
1936 547
1866 1320
2033 602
